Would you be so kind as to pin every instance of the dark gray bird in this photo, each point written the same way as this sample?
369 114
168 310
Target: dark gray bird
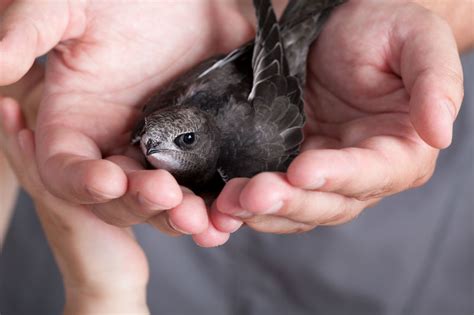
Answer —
240 114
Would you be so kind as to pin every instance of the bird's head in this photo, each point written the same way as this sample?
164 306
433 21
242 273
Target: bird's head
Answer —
182 140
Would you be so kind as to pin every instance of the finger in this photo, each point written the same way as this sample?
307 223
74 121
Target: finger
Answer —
27 92
71 167
228 200
233 200
431 70
211 237
223 222
270 194
190 216
116 212
152 190
18 145
149 193
29 29
11 118
384 168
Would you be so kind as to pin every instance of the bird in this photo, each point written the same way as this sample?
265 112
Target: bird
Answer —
238 114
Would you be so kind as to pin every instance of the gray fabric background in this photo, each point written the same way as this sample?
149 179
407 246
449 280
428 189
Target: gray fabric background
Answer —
412 254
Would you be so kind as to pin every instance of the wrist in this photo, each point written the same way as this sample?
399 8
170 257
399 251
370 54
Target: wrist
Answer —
83 301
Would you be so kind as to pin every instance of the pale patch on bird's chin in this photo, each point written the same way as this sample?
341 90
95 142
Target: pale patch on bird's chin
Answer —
164 161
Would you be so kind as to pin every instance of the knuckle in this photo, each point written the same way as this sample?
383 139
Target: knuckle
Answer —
339 215
350 212
386 188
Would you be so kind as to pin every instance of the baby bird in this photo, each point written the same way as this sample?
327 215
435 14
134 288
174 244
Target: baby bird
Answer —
240 114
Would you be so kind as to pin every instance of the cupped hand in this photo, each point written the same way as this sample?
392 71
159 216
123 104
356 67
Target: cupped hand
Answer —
103 267
383 89
106 59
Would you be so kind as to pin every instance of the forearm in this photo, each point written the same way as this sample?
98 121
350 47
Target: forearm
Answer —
459 14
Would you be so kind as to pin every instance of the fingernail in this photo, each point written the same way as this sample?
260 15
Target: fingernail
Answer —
275 208
99 195
236 225
174 227
318 183
243 214
149 204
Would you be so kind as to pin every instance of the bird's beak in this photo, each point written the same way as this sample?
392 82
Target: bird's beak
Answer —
151 151
151 148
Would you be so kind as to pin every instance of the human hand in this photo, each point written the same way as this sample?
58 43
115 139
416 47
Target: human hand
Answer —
383 89
107 60
104 270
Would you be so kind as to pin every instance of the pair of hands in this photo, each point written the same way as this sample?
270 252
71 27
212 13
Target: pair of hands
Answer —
384 87
382 94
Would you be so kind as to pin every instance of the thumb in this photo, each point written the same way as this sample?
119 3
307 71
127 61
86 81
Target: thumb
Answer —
432 71
28 29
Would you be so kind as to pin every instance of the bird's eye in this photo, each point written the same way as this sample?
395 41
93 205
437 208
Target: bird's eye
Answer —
185 140
189 138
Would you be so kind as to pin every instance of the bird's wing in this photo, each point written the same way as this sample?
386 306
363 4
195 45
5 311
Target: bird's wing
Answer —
230 57
276 96
268 58
301 24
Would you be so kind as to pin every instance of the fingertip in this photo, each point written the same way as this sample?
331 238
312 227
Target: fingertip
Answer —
155 188
265 192
102 179
190 217
228 200
302 172
224 222
11 117
17 57
433 122
211 237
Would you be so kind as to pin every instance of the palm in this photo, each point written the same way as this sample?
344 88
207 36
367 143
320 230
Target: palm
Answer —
356 96
126 52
